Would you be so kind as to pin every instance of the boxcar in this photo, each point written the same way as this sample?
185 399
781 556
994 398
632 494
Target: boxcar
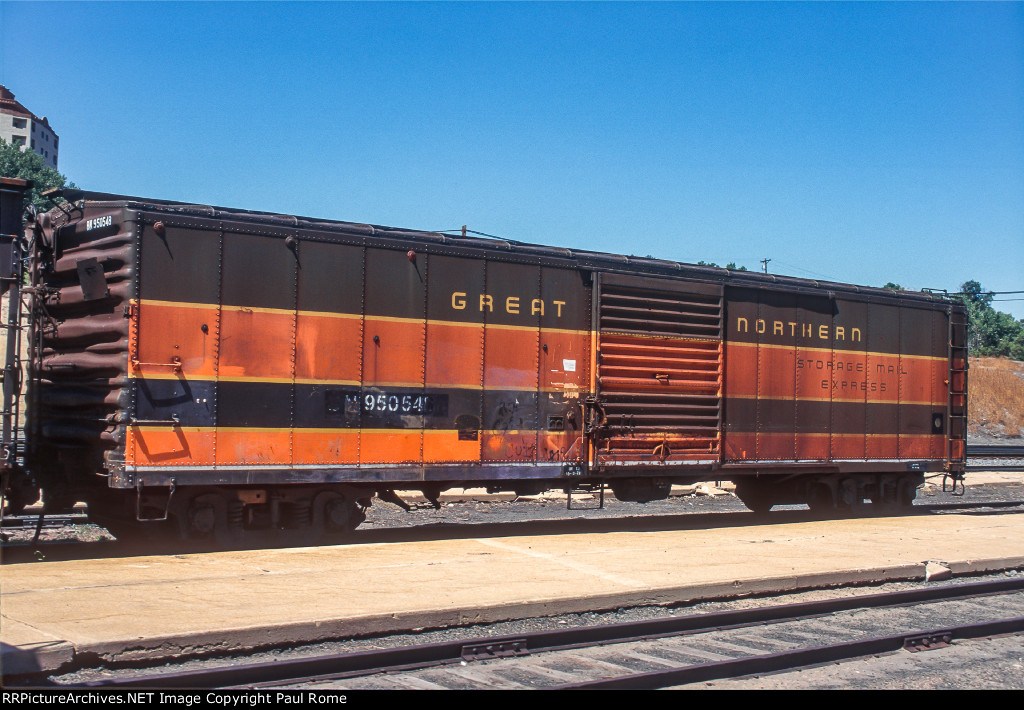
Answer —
230 371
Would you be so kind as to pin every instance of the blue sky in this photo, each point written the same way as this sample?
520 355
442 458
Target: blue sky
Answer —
864 142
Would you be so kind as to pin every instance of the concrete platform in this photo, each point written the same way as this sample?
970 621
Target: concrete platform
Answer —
158 607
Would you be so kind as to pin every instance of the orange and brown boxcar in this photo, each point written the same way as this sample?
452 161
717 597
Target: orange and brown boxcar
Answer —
233 371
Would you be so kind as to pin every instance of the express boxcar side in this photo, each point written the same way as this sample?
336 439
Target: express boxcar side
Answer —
233 371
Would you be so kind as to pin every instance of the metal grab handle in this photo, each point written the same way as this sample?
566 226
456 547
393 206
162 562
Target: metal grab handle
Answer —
173 421
174 364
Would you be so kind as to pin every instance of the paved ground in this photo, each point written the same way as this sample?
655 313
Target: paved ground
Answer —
154 607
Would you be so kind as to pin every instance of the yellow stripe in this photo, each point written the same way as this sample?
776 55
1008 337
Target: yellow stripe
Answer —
837 351
858 400
353 430
825 433
342 383
356 316
652 336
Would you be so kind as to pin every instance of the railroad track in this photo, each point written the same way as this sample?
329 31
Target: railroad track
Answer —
653 653
995 458
994 451
49 521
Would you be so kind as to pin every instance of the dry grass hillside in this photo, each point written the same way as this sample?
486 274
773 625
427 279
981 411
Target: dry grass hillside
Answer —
995 400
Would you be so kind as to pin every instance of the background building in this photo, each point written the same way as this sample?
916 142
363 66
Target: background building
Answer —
21 127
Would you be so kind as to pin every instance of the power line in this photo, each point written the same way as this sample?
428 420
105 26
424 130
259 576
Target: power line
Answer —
986 293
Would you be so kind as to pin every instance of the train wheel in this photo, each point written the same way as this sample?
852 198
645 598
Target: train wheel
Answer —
906 491
17 499
336 513
821 499
756 496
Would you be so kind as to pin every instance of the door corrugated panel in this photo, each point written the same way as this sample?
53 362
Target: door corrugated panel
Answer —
659 373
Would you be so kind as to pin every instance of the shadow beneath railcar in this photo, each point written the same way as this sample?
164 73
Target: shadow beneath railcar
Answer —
411 531
575 526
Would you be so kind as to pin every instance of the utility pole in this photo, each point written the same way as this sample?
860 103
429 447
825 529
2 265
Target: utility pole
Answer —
765 262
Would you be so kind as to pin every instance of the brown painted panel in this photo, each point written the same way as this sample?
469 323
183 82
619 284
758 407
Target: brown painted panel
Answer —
563 359
181 265
394 350
513 293
849 383
883 332
454 354
884 336
566 296
915 332
844 370
395 286
454 289
330 277
258 272
776 376
330 281
511 363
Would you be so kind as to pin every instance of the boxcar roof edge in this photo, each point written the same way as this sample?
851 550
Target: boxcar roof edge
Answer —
580 257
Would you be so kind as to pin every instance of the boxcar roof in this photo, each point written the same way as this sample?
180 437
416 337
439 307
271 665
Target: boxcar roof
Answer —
580 258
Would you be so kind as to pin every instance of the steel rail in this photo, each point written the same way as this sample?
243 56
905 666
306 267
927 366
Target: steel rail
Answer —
290 671
978 451
802 658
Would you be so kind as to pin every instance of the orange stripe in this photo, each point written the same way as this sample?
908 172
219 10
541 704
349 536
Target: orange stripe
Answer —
168 332
327 348
510 359
195 446
787 373
255 344
825 447
839 351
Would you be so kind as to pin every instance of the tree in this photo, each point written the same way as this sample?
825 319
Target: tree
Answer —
974 293
731 266
893 286
990 332
29 165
